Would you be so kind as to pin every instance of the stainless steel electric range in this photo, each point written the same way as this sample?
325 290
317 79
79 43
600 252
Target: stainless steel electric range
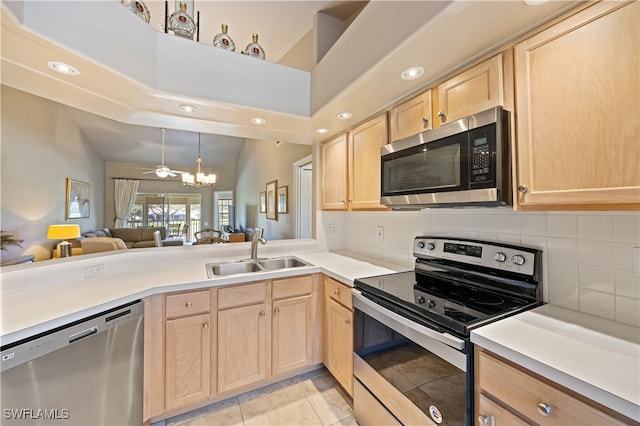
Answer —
413 358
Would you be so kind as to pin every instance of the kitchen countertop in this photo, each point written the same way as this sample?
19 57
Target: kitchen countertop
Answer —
593 356
35 309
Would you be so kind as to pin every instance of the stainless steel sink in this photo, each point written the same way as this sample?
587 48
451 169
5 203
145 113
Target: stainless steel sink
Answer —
232 268
282 263
250 266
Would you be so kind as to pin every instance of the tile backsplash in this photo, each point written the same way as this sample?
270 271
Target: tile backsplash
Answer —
588 261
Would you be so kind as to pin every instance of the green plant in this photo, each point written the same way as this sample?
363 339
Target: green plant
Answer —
7 239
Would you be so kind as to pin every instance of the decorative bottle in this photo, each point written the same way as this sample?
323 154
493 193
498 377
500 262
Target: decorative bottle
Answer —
181 23
139 8
254 49
223 40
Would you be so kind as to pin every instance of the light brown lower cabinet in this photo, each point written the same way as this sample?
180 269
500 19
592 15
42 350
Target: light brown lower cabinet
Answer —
206 345
338 332
508 394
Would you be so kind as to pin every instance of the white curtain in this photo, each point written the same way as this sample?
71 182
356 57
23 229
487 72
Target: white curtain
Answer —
124 194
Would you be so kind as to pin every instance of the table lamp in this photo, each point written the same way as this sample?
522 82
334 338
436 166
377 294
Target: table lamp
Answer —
63 232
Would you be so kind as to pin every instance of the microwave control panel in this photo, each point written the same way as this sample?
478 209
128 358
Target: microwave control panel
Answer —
481 160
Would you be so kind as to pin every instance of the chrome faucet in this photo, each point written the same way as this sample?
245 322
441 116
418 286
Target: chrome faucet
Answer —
257 238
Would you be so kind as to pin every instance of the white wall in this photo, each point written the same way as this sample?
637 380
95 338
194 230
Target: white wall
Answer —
588 256
41 146
260 162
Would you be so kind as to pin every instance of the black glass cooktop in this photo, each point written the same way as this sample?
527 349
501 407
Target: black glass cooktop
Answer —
443 302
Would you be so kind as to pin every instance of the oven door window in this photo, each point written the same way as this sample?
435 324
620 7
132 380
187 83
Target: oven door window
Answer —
436 387
431 167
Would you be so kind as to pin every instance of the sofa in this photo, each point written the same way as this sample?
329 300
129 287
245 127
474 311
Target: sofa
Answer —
136 237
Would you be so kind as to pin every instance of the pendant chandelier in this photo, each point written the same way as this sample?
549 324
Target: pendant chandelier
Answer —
200 179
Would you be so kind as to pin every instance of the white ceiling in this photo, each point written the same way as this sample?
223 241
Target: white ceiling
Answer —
464 29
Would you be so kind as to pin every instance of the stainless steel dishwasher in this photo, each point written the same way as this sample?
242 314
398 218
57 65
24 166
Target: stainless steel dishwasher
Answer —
88 372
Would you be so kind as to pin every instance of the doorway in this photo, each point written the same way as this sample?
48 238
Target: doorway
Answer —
303 182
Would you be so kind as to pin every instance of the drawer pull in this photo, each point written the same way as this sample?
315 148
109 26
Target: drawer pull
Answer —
188 304
262 314
277 311
336 292
544 409
483 419
205 325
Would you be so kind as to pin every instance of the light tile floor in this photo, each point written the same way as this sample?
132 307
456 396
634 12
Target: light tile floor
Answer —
313 398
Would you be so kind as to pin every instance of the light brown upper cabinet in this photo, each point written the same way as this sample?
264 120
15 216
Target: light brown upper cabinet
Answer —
474 90
411 117
350 167
578 104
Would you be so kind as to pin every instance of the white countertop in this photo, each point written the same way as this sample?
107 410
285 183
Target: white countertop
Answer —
38 308
595 357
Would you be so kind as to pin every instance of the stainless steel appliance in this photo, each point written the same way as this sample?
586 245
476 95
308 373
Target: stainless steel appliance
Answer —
85 373
412 348
465 162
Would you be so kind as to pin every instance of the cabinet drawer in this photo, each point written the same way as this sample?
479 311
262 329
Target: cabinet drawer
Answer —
183 304
496 414
338 292
247 294
523 392
291 287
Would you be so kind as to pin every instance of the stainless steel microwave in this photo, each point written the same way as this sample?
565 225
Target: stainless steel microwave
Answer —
463 163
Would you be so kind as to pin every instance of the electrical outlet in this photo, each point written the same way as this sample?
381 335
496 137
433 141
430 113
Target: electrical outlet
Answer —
93 271
380 233
331 229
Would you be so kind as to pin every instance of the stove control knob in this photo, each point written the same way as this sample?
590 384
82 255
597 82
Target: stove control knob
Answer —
420 244
420 300
430 246
499 257
517 259
431 303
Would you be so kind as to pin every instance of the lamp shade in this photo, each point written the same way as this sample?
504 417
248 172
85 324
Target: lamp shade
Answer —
63 232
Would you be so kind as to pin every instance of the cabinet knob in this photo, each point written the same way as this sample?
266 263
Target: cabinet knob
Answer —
425 120
188 304
523 188
544 409
336 292
442 116
483 419
205 325
262 314
347 322
276 311
343 201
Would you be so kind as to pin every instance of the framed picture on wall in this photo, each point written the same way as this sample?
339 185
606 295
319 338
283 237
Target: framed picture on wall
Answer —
271 204
78 203
263 200
283 200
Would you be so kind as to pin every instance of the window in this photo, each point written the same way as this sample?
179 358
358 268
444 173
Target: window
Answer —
171 211
224 212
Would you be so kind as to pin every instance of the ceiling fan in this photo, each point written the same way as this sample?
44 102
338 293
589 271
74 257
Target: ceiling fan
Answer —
162 171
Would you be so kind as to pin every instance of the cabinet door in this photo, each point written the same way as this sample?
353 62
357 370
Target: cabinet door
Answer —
242 346
291 334
187 362
578 103
490 413
339 343
411 117
472 91
365 142
333 171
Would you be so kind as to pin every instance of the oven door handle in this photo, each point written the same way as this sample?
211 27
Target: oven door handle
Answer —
444 337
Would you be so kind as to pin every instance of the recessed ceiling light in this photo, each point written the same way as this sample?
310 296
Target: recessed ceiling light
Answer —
258 120
345 115
322 130
63 68
412 73
188 108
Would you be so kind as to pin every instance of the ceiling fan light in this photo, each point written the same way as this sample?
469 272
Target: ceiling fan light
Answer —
162 173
